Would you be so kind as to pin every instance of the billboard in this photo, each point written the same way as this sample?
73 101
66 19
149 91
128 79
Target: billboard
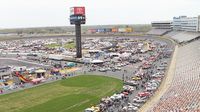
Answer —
77 11
114 30
122 30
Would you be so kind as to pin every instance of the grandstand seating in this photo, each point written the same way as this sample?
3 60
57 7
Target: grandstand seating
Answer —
184 36
172 33
158 31
183 94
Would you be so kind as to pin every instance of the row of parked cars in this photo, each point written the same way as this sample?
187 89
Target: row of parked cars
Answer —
113 69
150 81
115 99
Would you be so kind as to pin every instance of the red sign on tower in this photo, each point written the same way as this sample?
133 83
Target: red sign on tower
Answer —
77 15
77 11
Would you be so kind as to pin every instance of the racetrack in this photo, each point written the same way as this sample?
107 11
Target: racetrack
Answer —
49 103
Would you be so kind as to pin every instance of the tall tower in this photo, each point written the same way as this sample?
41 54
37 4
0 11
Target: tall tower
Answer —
77 17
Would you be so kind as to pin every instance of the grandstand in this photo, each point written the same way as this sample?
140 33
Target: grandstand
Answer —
183 93
160 28
158 32
181 29
172 33
161 24
183 36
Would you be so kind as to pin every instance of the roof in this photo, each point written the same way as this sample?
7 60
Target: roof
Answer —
161 22
40 71
97 61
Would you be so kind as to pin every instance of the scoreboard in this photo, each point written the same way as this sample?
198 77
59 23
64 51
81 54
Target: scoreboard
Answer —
77 19
77 15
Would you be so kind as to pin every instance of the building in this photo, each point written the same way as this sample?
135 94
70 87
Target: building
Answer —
161 24
184 23
160 27
181 23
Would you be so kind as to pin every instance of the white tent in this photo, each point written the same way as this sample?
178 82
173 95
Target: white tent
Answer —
125 55
97 61
56 57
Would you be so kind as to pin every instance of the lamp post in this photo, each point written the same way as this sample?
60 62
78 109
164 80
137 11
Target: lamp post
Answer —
123 78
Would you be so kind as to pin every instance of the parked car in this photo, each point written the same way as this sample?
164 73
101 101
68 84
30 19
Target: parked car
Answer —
151 88
116 69
161 68
136 78
136 104
139 100
132 108
144 94
102 70
131 83
92 109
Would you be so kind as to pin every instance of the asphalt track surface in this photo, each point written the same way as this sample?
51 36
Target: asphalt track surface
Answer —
15 62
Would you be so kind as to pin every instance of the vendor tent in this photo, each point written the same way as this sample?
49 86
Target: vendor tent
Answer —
97 61
71 64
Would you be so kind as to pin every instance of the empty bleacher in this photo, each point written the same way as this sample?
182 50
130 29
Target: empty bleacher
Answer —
158 32
183 94
183 36
172 33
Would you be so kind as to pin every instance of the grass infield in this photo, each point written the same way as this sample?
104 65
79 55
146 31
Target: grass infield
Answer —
69 95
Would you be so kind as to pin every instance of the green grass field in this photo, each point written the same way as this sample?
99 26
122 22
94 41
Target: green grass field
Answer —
67 45
70 45
69 95
53 45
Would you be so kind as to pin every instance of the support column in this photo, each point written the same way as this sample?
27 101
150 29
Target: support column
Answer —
78 41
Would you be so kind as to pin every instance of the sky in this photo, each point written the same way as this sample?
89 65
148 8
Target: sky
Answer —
42 13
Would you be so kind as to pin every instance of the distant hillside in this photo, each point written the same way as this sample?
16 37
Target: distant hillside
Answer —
64 29
39 30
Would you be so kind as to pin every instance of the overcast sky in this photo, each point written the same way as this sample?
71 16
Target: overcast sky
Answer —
38 13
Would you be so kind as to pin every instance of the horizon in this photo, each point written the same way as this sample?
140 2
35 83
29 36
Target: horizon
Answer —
30 14
69 26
